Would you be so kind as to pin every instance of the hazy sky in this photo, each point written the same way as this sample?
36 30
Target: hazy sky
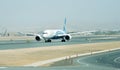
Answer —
37 15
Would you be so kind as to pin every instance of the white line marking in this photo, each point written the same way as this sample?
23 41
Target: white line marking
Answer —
3 67
117 60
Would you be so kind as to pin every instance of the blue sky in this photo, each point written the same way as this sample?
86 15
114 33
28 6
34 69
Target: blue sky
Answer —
38 15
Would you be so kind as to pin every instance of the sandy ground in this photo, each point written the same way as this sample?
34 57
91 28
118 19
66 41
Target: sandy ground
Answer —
20 57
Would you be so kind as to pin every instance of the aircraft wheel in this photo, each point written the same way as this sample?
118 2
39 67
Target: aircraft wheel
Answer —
48 40
63 40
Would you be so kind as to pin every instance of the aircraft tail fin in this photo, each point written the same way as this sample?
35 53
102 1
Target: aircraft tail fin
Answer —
64 27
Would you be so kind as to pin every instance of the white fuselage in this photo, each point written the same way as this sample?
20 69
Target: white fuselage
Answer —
51 34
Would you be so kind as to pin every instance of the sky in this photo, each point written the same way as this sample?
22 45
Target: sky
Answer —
38 15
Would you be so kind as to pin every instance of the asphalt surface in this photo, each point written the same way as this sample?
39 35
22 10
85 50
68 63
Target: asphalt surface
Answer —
16 44
102 61
109 59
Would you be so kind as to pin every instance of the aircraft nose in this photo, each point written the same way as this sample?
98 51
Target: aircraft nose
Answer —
45 35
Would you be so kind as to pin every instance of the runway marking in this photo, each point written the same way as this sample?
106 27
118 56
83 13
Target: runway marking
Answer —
82 63
3 67
117 60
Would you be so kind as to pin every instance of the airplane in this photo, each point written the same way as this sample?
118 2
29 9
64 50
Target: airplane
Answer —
49 35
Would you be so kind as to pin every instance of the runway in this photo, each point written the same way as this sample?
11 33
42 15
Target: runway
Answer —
17 44
102 61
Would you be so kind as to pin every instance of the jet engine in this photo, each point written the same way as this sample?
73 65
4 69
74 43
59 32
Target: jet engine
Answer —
38 38
68 37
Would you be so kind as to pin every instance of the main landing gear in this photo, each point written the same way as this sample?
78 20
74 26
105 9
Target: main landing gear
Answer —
48 40
63 40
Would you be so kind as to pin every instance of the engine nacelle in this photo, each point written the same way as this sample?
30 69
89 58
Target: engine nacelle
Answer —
68 37
38 38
